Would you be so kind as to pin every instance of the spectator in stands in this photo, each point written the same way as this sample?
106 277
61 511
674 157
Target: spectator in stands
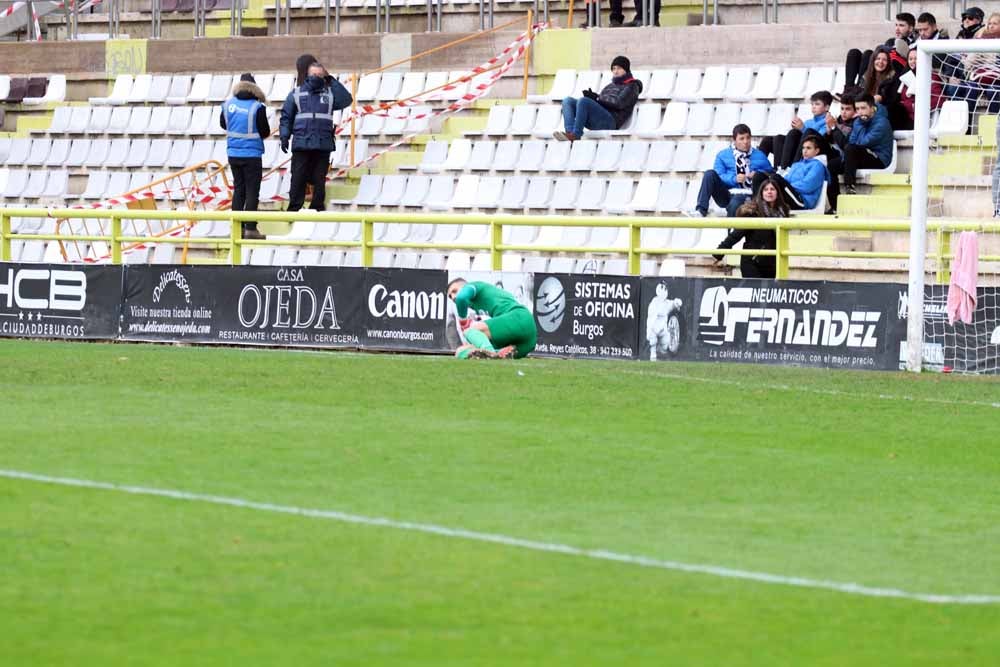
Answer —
734 169
302 64
244 118
838 134
983 71
615 19
870 144
787 148
768 204
880 79
972 23
927 27
952 67
802 186
637 21
307 122
901 113
905 37
607 111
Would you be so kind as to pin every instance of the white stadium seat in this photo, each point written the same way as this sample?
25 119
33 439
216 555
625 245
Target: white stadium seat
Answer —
481 157
700 119
608 156
739 84
563 85
793 83
180 86
661 156
547 121
766 85
661 84
633 157
499 120
119 92
713 83
726 116
507 153
687 85
522 120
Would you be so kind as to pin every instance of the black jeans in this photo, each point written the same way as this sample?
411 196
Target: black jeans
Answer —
786 148
855 65
308 167
757 267
857 157
247 172
656 11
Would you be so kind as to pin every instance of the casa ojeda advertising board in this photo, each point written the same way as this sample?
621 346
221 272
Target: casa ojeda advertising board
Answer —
832 325
307 306
586 315
59 301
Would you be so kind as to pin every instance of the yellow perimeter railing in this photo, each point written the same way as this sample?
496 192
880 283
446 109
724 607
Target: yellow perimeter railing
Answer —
496 223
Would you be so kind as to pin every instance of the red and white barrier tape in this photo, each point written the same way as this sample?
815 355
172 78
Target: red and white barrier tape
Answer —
213 195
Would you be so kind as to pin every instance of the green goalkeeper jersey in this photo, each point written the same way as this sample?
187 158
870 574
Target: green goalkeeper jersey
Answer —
485 298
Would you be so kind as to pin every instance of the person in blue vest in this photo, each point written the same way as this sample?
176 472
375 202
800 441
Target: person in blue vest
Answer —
244 118
307 124
733 174
870 143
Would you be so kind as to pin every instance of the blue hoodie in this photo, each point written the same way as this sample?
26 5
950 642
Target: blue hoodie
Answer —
875 134
807 177
816 123
725 165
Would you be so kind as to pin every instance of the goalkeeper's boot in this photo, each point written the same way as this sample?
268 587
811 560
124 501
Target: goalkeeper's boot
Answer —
508 352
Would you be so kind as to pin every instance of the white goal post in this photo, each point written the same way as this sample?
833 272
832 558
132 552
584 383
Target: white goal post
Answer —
926 50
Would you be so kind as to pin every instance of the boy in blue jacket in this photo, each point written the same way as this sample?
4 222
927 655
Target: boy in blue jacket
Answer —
787 148
803 184
870 143
735 168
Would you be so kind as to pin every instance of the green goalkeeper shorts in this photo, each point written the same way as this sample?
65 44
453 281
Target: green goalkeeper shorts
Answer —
515 328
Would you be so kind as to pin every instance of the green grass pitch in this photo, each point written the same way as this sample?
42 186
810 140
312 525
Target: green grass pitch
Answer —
884 480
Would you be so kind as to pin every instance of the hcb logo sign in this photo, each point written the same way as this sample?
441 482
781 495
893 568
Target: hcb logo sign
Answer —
62 290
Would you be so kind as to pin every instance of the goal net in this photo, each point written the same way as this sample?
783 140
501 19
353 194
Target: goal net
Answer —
953 304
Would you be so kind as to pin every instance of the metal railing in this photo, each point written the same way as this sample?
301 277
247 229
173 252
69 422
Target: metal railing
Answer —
367 243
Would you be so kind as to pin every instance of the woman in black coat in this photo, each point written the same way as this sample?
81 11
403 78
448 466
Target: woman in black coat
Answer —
767 203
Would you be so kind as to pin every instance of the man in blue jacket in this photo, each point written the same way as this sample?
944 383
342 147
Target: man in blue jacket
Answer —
307 122
870 143
735 168
803 184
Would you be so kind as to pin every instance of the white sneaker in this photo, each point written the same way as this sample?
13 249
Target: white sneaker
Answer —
692 213
559 135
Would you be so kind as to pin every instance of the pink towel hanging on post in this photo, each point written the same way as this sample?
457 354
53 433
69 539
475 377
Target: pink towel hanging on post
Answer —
964 274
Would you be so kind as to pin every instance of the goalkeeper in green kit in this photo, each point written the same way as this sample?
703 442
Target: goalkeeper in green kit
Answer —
508 333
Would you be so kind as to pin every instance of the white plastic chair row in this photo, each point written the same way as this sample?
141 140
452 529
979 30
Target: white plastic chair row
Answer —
182 89
650 120
401 120
534 155
566 193
717 82
34 183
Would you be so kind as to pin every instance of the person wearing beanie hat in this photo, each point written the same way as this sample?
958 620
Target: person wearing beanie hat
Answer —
244 118
307 127
609 110
972 23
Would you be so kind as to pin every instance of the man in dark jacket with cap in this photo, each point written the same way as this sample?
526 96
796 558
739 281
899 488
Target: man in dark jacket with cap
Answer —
608 111
307 123
244 118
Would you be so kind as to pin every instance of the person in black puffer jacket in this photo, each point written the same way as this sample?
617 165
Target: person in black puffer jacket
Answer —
608 111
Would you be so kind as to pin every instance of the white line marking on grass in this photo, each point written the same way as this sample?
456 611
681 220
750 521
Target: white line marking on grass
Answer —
812 390
549 547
